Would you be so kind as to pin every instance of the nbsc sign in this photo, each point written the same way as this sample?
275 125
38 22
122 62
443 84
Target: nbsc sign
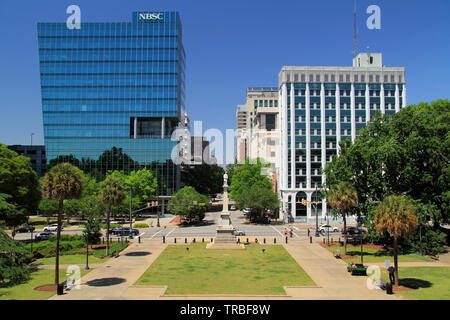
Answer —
151 16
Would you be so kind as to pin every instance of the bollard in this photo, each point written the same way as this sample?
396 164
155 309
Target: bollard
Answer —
310 239
203 239
264 240
185 240
286 239
164 239
274 240
211 240
139 238
174 240
247 240
256 240
239 240
193 240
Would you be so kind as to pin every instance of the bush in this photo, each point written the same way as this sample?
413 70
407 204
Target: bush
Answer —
140 225
433 241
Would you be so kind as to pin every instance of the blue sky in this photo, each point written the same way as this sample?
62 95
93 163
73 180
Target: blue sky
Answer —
231 45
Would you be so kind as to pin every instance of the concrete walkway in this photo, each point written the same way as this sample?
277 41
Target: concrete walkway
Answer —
114 278
330 275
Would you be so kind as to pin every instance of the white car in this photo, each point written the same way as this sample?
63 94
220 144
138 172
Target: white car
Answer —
325 228
52 227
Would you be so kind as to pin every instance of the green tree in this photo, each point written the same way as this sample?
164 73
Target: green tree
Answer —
92 230
92 206
143 185
48 208
260 198
62 182
111 193
406 153
396 215
71 208
8 211
13 268
19 180
205 178
247 174
182 203
343 197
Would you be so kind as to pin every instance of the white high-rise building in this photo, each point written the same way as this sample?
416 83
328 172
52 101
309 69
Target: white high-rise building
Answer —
320 106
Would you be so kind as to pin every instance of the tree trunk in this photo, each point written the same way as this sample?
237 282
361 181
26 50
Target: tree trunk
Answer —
107 229
345 234
58 235
396 260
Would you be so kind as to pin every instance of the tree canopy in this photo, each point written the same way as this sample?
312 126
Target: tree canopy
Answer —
20 182
182 203
205 178
406 153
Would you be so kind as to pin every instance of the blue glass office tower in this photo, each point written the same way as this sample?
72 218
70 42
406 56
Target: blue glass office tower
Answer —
113 93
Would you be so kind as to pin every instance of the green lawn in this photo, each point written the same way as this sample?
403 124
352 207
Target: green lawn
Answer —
372 255
25 291
432 283
70 259
202 271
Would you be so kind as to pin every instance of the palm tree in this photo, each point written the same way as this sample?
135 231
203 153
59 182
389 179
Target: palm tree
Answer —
396 215
63 181
343 197
111 193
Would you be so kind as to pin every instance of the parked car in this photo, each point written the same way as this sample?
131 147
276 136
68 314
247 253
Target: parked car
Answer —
52 227
351 230
233 207
25 229
238 232
327 228
125 231
43 236
247 211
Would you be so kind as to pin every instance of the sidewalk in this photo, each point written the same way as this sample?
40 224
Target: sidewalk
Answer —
114 278
330 275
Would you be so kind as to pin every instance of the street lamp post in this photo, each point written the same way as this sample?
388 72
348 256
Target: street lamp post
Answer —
87 246
317 220
31 240
328 233
131 221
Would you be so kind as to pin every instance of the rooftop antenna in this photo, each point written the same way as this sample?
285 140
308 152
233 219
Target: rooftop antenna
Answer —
355 39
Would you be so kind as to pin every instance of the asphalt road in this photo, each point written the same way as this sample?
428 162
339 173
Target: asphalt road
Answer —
207 229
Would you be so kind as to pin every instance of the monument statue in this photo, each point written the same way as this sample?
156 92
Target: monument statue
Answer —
225 238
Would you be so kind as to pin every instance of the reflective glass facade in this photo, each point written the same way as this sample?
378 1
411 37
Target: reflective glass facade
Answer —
118 84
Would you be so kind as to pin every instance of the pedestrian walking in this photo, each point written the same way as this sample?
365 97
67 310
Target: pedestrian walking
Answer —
285 232
308 232
290 233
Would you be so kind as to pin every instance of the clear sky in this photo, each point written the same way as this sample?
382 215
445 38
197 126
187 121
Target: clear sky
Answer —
234 44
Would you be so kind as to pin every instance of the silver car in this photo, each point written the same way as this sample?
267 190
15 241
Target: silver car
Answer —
238 232
43 236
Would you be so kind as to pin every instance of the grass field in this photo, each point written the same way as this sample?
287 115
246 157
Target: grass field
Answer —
372 255
202 271
25 291
70 259
432 283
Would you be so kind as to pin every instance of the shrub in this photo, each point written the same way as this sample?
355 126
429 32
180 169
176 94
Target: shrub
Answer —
140 225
